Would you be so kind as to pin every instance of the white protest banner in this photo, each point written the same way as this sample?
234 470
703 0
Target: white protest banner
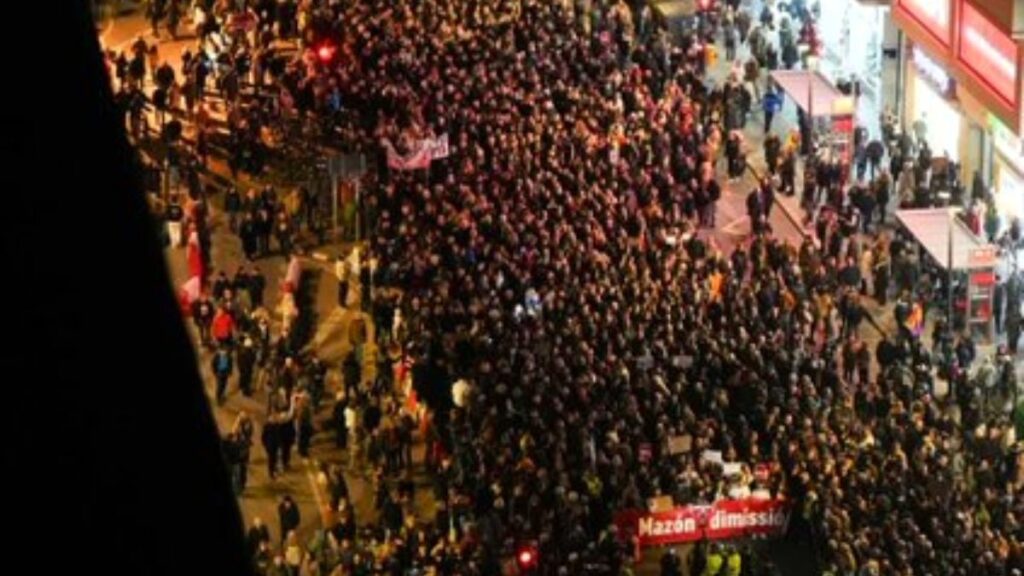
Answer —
420 155
713 456
438 147
732 468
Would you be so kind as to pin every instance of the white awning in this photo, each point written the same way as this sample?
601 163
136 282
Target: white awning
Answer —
813 93
931 228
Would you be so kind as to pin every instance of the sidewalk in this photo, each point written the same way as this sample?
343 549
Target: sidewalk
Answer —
331 338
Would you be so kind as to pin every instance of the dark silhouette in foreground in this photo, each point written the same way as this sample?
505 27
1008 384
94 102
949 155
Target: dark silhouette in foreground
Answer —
111 444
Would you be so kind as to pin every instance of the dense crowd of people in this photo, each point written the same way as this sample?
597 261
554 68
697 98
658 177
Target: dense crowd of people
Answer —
566 317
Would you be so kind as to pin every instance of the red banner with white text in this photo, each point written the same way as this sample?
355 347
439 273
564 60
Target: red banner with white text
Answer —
723 520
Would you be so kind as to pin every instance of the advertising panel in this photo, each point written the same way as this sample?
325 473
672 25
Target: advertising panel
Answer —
989 53
932 15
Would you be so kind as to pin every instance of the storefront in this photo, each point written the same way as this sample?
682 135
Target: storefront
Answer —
852 34
989 59
962 61
1009 172
931 100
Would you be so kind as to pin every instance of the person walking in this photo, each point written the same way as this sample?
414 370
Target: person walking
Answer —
174 217
771 104
283 233
338 421
246 366
341 273
257 285
998 301
288 516
223 327
248 234
222 366
730 40
242 434
1013 328
155 11
256 536
270 438
264 227
880 274
353 435
202 316
1013 315
755 210
302 408
351 374
286 418
232 205
882 189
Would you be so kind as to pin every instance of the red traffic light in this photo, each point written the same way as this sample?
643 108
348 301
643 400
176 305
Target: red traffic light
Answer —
326 52
526 558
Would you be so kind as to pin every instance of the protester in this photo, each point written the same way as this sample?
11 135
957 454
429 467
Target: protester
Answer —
548 263
222 366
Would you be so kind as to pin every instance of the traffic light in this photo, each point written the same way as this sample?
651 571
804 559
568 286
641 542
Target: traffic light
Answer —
325 52
526 559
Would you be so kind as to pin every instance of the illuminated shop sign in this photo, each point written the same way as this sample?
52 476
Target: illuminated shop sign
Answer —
933 72
934 15
989 53
1008 144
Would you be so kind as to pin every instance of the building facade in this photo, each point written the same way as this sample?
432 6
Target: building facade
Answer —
962 75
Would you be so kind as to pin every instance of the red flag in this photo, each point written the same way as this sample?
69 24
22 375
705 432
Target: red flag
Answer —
194 254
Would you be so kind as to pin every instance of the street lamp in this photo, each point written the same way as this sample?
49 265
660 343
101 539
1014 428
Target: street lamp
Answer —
812 68
951 224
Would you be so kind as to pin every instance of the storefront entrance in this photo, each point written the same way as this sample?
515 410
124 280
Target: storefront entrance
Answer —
942 119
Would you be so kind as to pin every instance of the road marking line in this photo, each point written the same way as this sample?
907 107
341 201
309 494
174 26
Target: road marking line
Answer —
730 228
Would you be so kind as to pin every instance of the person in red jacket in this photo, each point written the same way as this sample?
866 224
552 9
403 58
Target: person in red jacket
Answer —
223 327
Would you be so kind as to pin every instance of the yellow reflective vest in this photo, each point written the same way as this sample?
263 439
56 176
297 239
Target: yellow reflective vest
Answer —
734 565
714 565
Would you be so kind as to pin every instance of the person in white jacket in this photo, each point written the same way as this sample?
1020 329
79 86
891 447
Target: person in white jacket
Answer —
352 424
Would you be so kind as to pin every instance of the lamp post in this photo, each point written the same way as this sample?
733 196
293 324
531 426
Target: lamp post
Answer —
812 68
951 222
950 269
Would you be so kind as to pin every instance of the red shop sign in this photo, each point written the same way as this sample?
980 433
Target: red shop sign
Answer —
983 279
723 520
933 15
989 53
